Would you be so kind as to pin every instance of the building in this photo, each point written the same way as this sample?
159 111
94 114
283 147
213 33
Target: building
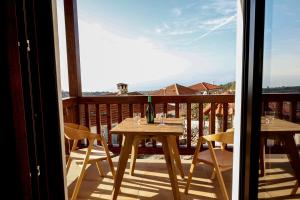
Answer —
206 88
174 89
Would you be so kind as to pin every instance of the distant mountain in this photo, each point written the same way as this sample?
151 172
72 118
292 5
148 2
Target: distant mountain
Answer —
66 93
228 86
282 89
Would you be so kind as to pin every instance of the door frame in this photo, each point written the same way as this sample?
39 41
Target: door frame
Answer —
30 84
250 45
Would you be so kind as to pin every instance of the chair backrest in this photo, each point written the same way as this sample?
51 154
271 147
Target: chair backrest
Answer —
76 131
230 130
224 137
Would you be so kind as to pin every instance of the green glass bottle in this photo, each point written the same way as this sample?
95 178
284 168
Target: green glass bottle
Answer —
150 111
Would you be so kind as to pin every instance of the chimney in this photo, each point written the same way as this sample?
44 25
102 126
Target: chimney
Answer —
122 88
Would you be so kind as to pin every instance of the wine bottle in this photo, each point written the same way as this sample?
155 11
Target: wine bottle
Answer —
150 111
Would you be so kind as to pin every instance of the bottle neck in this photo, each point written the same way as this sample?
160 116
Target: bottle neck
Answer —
149 99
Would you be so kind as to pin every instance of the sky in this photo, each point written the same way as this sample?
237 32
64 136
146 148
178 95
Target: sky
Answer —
152 44
282 43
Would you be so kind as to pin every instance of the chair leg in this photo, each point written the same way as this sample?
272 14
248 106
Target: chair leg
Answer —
177 156
213 175
100 169
134 152
218 172
295 188
262 157
68 164
110 163
190 176
192 168
82 172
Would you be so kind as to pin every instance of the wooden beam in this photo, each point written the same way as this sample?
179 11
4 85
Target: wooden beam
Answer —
72 41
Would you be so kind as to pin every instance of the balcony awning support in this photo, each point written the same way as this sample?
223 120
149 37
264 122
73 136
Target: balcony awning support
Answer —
72 41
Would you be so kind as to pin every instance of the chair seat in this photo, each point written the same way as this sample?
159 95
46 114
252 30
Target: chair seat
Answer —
224 157
97 153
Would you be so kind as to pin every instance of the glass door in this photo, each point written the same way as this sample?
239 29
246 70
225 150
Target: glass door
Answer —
279 163
267 154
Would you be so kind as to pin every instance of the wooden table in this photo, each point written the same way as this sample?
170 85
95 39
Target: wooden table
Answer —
284 131
165 133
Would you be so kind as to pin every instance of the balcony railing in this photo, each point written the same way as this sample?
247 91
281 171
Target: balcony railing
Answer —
103 112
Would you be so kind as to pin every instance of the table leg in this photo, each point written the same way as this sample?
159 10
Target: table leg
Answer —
262 154
134 152
291 149
176 155
167 148
122 164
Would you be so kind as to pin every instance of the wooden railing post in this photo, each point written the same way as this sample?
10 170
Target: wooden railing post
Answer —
177 110
225 117
188 118
98 121
130 110
212 119
166 108
120 137
280 109
293 111
200 120
177 116
108 121
87 115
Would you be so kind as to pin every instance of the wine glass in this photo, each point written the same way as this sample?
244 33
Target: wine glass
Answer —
137 118
162 118
270 116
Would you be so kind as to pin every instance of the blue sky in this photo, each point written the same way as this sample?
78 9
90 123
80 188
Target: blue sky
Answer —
282 43
151 44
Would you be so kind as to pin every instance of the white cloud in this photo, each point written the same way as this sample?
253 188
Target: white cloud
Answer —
158 30
166 26
177 12
181 32
217 24
218 21
108 58
222 22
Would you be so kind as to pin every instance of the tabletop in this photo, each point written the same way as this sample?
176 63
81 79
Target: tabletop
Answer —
172 126
279 126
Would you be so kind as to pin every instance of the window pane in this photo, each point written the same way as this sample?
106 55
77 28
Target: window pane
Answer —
280 123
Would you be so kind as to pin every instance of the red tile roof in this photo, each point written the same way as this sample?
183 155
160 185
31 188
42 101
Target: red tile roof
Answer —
174 89
204 86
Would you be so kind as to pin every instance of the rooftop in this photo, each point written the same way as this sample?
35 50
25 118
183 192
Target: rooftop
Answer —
174 89
204 86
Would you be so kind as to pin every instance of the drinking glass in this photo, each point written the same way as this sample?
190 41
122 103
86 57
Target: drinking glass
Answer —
161 117
137 118
270 116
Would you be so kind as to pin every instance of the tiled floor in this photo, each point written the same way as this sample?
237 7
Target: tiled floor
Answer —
151 182
279 179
